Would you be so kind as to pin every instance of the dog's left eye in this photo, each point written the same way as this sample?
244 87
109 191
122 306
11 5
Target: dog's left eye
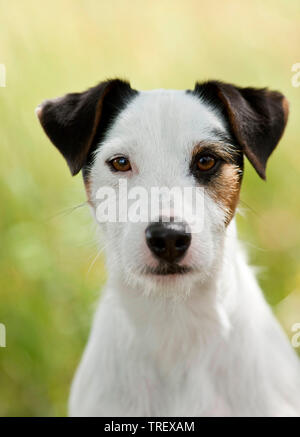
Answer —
206 162
120 163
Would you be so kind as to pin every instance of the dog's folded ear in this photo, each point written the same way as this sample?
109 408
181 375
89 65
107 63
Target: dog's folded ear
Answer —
257 117
76 121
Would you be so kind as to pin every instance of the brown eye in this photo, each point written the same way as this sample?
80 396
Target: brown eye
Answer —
206 163
121 164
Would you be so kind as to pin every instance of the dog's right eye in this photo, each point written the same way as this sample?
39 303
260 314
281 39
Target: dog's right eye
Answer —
120 163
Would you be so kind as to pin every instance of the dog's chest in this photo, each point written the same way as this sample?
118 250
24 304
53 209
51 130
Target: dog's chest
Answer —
189 391
165 370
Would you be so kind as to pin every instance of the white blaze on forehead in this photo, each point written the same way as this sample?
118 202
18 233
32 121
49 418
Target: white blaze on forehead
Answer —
185 104
164 120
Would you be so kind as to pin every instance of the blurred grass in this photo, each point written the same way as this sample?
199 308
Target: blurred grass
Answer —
47 293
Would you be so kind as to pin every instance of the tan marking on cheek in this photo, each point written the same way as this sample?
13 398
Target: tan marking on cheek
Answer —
225 189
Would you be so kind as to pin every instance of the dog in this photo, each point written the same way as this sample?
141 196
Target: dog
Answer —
182 328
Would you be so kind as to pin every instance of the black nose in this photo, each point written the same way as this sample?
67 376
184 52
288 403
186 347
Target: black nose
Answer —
168 241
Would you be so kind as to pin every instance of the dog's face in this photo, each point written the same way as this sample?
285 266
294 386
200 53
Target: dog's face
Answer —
166 140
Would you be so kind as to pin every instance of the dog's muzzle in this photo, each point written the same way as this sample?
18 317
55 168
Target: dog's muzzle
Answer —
168 241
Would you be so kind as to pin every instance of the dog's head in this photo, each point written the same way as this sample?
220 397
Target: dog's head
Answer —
170 139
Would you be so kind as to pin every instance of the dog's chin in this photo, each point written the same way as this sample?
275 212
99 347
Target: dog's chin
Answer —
167 281
167 270
166 277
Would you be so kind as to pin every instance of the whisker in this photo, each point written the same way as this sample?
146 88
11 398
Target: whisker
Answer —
243 203
96 257
67 211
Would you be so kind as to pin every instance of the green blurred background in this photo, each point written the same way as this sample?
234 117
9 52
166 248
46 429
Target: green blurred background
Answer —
48 285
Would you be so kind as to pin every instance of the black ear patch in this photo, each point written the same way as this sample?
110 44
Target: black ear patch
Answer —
257 117
76 122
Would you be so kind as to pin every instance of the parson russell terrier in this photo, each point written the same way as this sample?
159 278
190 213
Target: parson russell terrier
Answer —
182 328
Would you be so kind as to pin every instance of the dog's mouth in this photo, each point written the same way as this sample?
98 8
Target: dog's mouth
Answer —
164 269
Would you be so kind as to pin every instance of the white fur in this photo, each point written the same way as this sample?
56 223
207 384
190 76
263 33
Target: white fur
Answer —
203 343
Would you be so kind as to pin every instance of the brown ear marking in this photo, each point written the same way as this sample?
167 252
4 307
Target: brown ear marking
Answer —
257 117
76 121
